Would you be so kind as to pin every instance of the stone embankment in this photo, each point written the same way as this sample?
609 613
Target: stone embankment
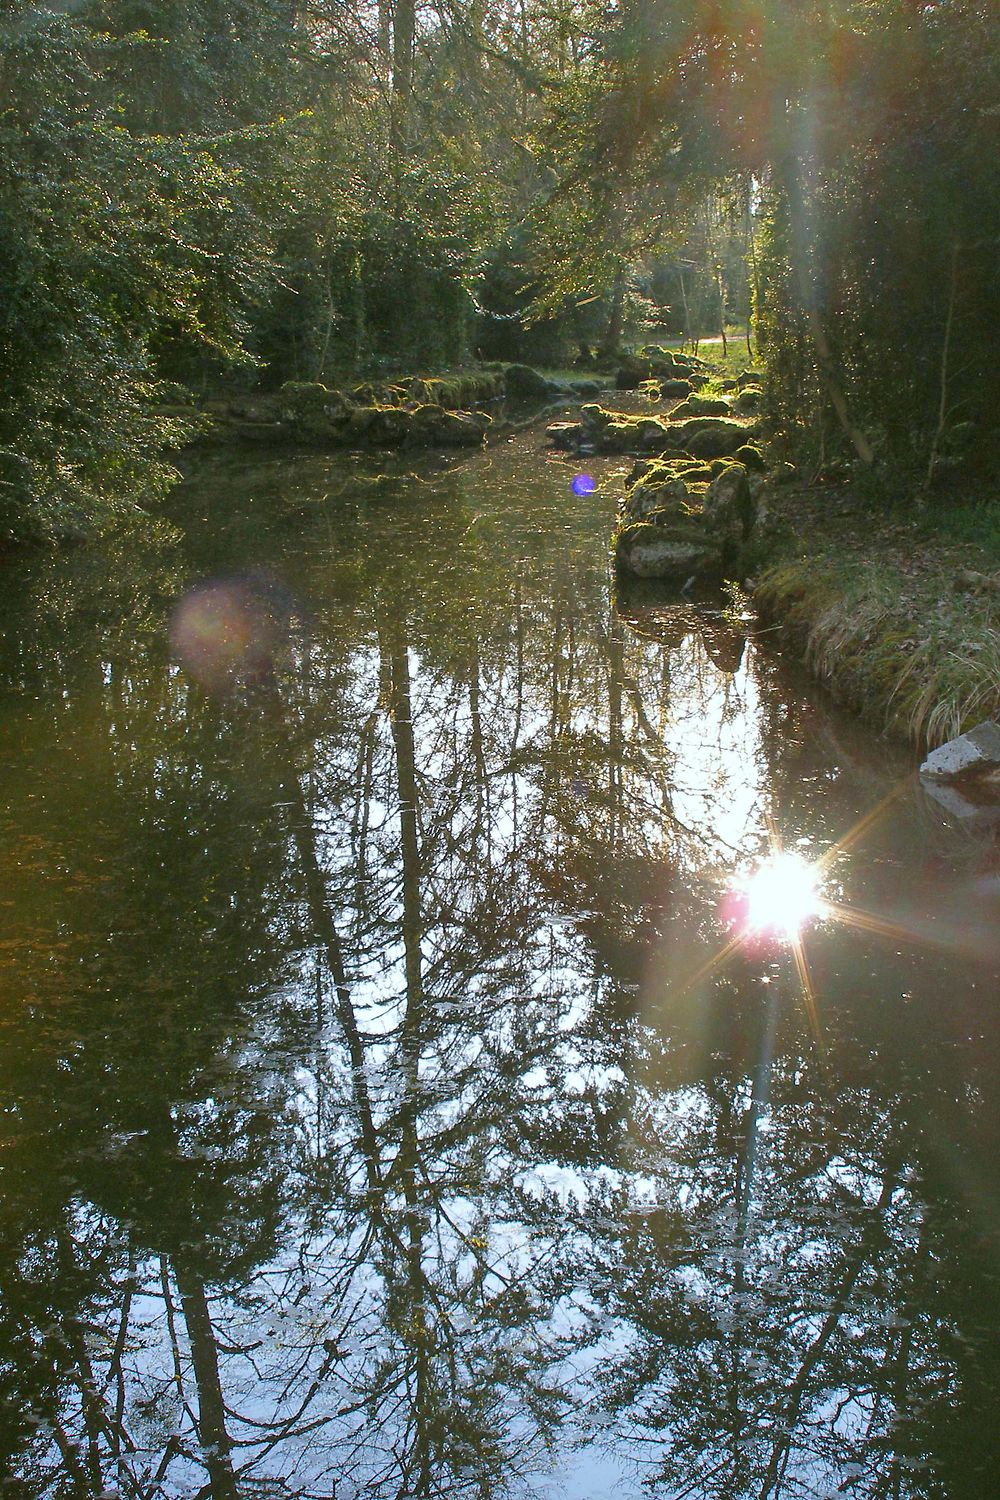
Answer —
684 519
419 412
690 507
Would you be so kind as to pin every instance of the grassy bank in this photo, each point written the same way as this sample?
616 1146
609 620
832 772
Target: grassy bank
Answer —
893 609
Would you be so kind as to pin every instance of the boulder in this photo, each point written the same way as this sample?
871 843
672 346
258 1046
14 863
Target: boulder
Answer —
381 426
311 412
749 400
617 432
728 509
750 457
972 753
657 354
631 373
522 383
702 406
662 470
670 390
707 437
651 362
463 429
435 390
565 434
425 426
368 394
435 427
481 385
645 499
647 550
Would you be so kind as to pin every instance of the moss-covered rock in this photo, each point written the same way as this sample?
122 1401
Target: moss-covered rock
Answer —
647 550
522 383
750 457
424 426
565 434
707 437
662 470
380 426
649 363
656 485
366 394
423 412
702 406
645 498
673 389
728 509
434 427
657 354
749 400
619 432
682 516
311 412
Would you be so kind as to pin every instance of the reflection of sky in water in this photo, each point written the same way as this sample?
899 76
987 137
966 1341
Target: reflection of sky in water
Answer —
552 1200
719 773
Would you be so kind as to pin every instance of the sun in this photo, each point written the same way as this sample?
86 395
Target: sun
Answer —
781 896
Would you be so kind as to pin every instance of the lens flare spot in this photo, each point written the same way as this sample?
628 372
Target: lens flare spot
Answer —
583 484
225 632
779 897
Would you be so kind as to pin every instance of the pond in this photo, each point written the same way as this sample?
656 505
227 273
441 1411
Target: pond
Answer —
391 1106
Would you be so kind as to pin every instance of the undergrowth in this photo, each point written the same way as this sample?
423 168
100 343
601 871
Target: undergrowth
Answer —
886 620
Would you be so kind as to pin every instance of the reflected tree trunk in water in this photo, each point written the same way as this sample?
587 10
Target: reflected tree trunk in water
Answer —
758 1104
362 817
212 1433
786 1420
483 827
325 930
419 1336
900 1368
71 1353
396 661
616 667
515 739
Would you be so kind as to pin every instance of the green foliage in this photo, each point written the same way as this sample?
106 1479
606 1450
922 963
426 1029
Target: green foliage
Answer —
889 232
200 191
115 245
868 137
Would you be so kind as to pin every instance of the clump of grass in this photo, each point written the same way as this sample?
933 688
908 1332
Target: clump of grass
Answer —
926 663
940 698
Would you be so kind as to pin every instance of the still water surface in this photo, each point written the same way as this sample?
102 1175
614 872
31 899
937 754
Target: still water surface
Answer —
375 1119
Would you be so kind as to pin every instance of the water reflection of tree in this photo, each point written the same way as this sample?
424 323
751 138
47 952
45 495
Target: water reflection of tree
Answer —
415 1146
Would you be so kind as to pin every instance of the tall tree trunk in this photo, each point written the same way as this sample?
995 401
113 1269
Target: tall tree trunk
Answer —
611 340
384 36
404 24
802 253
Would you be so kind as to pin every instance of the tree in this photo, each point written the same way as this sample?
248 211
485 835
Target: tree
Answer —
868 134
125 231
